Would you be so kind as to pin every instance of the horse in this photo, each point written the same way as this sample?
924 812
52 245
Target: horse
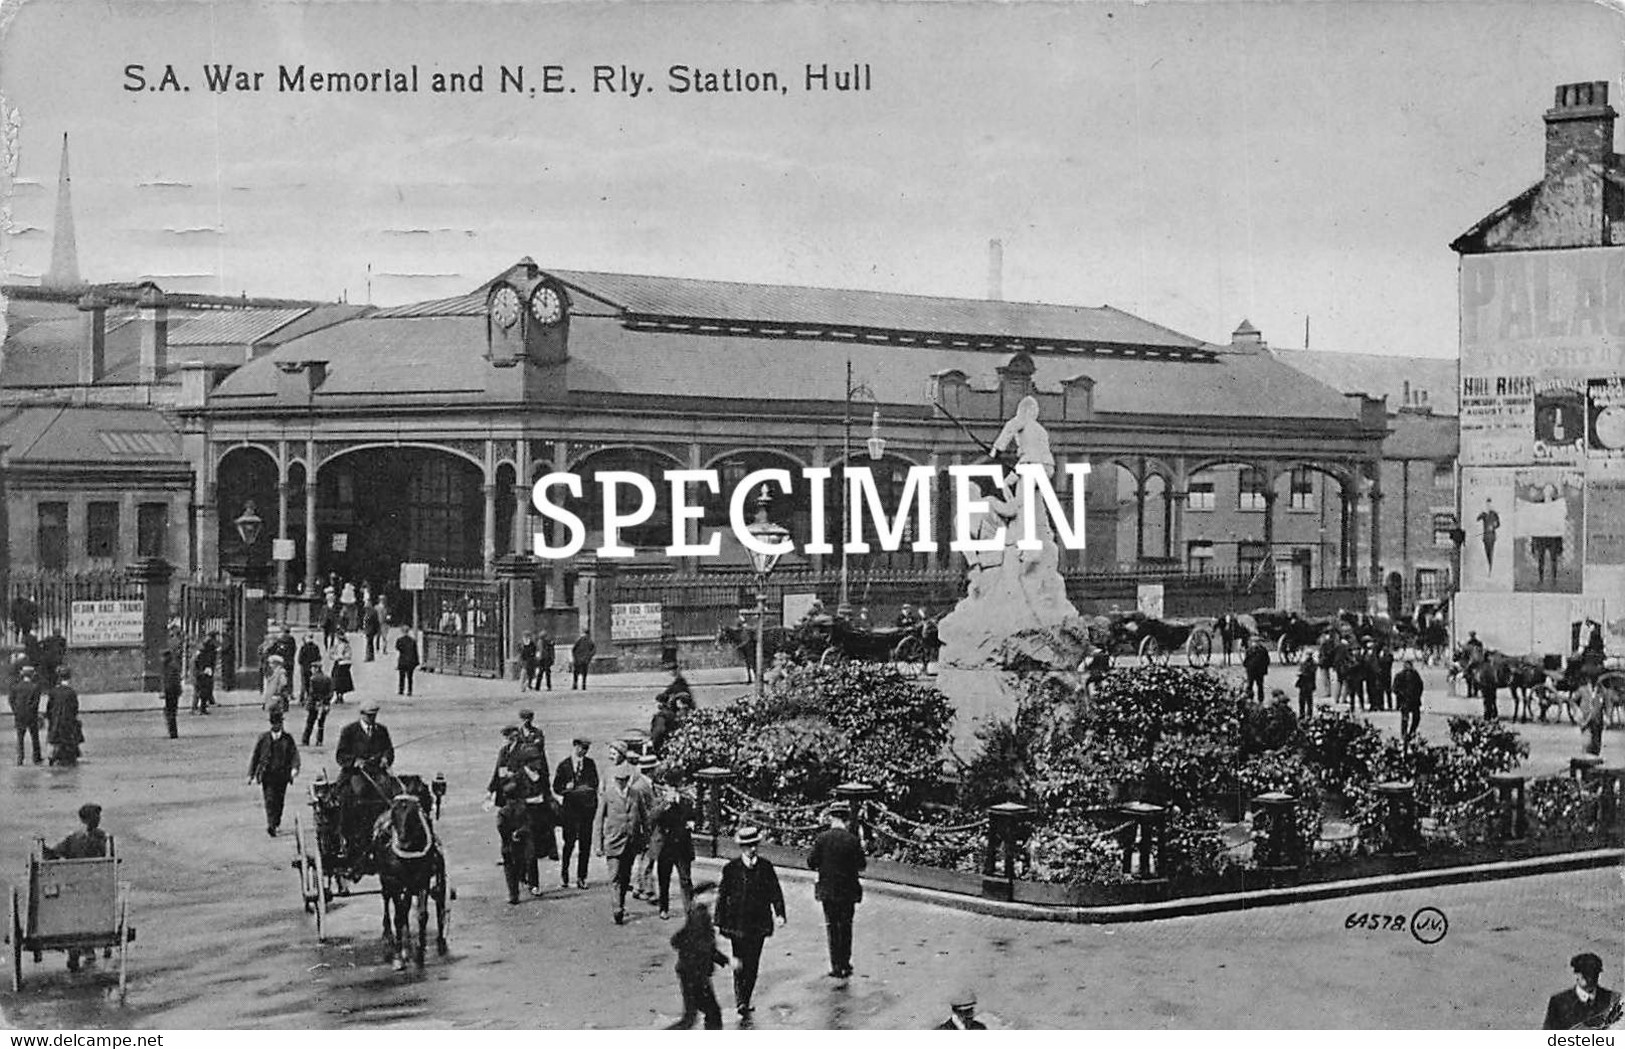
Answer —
742 639
411 869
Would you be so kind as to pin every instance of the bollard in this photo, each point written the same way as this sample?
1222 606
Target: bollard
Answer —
1005 823
711 780
1399 823
1283 845
1150 824
857 795
1511 820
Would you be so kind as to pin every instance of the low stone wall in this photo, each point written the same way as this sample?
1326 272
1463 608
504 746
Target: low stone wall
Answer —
106 669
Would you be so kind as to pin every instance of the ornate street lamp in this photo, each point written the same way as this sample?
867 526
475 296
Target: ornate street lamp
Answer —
876 447
766 533
248 524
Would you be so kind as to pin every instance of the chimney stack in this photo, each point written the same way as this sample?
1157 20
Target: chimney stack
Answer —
995 270
93 347
153 314
1579 126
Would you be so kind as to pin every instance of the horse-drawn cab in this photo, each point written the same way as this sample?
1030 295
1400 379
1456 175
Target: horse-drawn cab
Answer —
357 831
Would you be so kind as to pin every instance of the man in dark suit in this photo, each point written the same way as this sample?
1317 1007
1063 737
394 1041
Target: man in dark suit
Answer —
747 902
576 784
203 674
365 753
1408 696
1586 1004
837 856
406 662
25 700
964 1018
273 765
581 654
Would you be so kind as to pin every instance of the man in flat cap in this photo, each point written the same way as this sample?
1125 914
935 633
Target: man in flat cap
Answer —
365 754
1585 1005
837 856
748 900
964 1018
576 784
86 843
622 829
273 765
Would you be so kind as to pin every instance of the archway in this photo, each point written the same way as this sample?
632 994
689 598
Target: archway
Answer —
380 507
245 475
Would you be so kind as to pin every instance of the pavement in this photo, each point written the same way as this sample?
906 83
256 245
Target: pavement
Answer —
223 941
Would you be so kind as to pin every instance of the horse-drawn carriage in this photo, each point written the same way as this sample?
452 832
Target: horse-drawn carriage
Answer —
385 830
827 640
1153 640
73 905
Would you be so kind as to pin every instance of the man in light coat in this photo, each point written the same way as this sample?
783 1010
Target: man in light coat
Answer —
622 829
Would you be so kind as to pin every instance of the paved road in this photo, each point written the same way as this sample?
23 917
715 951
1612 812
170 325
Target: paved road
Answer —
223 941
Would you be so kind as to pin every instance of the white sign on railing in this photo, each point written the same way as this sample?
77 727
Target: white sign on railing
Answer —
635 621
106 623
414 575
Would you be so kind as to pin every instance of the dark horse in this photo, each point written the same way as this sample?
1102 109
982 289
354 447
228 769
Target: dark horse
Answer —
742 639
411 869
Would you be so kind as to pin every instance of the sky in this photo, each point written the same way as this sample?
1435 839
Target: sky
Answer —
1192 164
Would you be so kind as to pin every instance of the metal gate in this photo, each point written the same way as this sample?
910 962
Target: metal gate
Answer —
465 623
206 608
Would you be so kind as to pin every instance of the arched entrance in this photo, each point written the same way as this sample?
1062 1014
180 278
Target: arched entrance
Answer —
379 507
245 475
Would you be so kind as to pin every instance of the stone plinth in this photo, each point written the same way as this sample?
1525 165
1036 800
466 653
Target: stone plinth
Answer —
979 695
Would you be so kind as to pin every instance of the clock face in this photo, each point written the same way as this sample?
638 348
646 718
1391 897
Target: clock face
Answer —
1609 428
546 306
505 306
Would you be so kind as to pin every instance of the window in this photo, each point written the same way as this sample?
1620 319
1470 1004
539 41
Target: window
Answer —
51 539
1250 556
152 530
1444 475
1444 522
1302 494
1199 554
1251 489
1200 496
101 531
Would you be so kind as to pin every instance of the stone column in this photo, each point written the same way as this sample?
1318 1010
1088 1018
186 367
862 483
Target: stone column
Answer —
312 547
153 573
282 533
1167 518
488 539
517 573
1176 530
1139 519
520 540
1376 533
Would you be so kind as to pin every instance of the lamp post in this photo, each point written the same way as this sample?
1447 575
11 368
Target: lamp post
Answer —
765 532
239 644
876 447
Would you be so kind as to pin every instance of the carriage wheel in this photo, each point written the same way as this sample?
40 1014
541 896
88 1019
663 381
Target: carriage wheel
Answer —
123 942
830 657
1199 648
910 656
1151 651
301 863
16 943
1612 687
320 880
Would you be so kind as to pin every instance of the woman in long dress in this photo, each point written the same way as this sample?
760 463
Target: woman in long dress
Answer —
64 731
343 682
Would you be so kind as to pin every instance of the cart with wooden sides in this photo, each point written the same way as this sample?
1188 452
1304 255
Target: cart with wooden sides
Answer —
77 906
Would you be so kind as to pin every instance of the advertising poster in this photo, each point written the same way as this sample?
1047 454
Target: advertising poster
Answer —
1497 420
1605 420
1605 522
1560 418
1486 556
1548 533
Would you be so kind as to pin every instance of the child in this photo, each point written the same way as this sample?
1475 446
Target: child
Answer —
697 954
513 830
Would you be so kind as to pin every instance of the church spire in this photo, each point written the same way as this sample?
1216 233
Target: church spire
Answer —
64 271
